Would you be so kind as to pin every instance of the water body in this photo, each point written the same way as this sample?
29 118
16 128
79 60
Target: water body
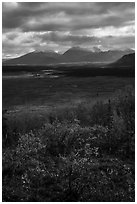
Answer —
24 75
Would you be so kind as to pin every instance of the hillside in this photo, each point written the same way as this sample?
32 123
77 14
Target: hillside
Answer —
74 54
106 56
34 58
125 61
77 54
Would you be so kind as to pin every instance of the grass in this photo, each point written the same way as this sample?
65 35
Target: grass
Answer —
33 102
68 139
56 91
81 153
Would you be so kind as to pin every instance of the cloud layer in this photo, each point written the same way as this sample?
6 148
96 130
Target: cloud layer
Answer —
57 26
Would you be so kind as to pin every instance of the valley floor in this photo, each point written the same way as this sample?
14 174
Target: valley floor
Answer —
68 139
54 91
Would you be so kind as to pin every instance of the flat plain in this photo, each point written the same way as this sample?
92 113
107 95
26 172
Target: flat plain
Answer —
27 89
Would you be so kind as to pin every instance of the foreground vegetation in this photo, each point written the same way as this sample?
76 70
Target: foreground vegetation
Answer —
83 154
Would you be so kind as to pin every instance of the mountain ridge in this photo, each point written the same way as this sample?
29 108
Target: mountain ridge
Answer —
74 54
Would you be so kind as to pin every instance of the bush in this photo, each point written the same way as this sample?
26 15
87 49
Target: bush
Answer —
4 127
87 158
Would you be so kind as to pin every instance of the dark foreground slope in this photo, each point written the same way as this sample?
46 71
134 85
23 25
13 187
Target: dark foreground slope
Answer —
126 61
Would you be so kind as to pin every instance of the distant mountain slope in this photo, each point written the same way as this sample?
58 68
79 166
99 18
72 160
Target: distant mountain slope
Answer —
84 55
125 61
74 54
106 56
35 58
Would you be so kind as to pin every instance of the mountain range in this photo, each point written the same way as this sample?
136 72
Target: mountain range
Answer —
74 54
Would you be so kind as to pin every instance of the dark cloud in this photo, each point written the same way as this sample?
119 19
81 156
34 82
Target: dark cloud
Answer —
64 24
79 15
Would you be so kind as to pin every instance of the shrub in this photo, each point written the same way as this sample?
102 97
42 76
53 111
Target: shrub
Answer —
87 158
4 127
101 113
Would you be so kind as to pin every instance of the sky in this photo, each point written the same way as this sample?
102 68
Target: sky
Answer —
58 26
